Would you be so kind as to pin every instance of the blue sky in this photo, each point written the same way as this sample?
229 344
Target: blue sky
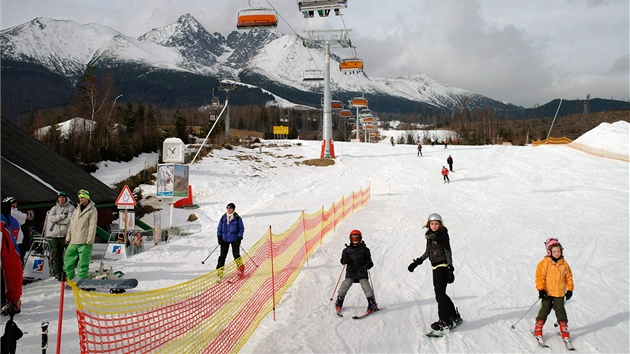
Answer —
526 52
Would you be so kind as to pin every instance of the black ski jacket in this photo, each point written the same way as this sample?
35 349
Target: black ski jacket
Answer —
438 248
358 260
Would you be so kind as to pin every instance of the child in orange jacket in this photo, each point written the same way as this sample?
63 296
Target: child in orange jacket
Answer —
554 282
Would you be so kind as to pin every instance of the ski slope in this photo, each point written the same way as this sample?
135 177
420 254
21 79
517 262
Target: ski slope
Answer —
501 204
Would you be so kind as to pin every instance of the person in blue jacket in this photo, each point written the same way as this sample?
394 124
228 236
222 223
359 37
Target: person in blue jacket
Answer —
230 232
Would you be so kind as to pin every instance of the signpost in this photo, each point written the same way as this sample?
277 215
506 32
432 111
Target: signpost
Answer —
126 220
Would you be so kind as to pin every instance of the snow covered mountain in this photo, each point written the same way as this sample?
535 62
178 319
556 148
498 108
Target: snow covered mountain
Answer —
264 58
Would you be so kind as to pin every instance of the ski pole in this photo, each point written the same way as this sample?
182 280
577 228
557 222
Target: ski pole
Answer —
529 309
334 291
248 256
203 262
44 337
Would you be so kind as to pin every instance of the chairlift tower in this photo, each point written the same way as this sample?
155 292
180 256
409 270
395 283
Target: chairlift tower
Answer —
227 88
327 38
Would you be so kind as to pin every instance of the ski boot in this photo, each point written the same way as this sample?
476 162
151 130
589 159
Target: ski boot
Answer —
338 305
439 325
564 329
241 272
538 328
372 306
456 319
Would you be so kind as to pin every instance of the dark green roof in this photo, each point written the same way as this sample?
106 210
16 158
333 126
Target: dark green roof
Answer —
33 173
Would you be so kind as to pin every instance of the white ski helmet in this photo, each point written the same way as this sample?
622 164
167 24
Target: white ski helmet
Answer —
435 217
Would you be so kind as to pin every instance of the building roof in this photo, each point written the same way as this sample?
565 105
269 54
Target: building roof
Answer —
33 173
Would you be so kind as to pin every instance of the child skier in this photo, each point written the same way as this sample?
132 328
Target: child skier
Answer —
356 256
554 282
438 251
445 174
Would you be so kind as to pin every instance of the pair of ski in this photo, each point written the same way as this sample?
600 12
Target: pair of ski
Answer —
541 342
358 317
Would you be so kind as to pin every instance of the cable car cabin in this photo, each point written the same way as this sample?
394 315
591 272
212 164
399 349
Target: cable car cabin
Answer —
336 105
359 102
345 113
351 66
259 17
323 7
352 121
313 75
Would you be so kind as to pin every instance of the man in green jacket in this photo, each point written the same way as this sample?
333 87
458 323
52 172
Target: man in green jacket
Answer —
80 237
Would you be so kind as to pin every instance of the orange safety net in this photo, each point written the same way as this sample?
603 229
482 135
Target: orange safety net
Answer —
563 140
601 152
216 312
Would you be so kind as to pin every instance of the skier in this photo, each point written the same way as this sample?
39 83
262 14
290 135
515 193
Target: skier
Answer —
554 282
438 251
391 140
449 161
59 218
357 258
445 174
230 232
419 149
80 237
19 218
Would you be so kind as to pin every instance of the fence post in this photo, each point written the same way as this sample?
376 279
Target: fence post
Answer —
304 235
321 227
273 279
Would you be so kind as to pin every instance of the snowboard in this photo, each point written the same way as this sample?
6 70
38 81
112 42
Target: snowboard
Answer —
114 286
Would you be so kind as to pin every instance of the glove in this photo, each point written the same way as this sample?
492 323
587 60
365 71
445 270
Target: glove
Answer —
220 240
569 294
542 294
416 262
451 276
344 260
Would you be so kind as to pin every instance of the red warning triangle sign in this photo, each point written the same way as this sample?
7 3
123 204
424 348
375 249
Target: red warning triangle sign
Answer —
126 198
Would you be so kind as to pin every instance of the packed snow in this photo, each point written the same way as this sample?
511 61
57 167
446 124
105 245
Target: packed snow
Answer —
502 203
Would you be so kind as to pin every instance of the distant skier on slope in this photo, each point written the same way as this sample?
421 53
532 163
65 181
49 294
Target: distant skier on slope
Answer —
391 140
438 251
419 149
449 161
357 258
445 175
554 282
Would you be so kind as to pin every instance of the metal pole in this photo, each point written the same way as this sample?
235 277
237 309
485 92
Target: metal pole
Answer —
248 256
202 262
519 320
338 280
554 120
327 124
44 337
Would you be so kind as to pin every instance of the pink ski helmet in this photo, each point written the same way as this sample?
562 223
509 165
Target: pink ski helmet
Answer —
550 242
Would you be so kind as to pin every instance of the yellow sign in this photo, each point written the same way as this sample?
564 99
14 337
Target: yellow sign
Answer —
280 129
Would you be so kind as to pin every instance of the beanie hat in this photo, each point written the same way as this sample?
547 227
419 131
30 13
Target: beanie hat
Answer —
231 206
84 193
550 242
